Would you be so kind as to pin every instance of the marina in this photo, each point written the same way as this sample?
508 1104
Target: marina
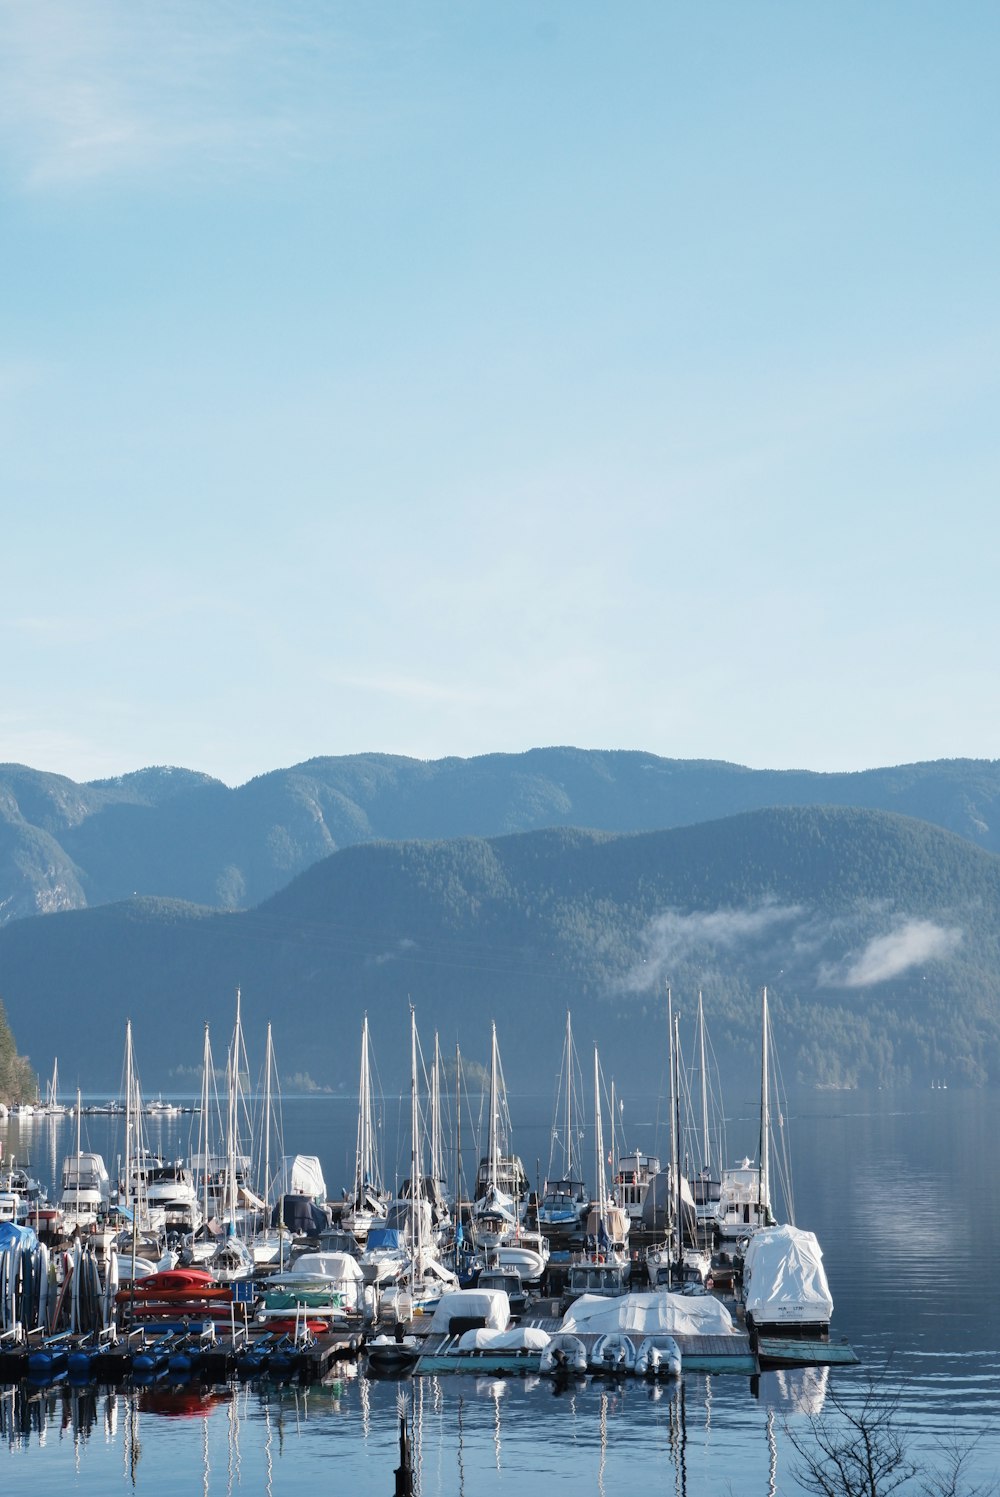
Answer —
213 1266
336 1377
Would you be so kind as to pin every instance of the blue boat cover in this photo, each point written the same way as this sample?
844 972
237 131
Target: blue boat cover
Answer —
384 1237
10 1233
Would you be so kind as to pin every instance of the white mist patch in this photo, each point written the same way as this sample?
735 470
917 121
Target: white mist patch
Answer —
911 944
402 947
674 937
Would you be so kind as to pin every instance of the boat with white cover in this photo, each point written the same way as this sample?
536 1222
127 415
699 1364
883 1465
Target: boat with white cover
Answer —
785 1287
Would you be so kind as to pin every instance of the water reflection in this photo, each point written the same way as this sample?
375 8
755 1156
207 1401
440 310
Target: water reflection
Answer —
898 1195
480 1435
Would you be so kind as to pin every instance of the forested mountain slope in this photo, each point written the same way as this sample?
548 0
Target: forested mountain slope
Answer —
176 834
875 934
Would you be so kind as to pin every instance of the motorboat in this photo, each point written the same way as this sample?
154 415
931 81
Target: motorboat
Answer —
85 1189
658 1357
613 1352
785 1288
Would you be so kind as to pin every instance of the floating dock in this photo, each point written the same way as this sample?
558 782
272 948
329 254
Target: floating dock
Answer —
144 1356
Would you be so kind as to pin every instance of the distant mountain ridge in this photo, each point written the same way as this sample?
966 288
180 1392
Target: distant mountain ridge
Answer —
877 935
173 833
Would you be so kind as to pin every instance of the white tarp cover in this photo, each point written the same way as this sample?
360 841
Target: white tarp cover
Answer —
340 1267
784 1278
519 1338
299 1175
490 1305
649 1314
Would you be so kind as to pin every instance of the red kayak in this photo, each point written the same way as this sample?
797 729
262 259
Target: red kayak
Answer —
143 1296
176 1278
193 1308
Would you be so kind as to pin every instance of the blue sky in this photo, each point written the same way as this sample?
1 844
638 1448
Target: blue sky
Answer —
442 379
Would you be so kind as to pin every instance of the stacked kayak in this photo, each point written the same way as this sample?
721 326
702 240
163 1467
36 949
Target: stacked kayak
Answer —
177 1294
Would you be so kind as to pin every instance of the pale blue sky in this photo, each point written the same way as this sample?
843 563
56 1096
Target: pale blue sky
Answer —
441 379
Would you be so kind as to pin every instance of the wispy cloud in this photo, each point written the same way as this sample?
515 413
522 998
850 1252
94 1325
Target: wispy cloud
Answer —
913 943
110 89
401 949
674 938
804 947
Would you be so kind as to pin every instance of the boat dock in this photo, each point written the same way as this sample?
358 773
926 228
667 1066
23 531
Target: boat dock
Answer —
143 1356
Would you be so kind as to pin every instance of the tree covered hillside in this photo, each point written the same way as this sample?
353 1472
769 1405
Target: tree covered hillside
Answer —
17 1079
876 936
174 834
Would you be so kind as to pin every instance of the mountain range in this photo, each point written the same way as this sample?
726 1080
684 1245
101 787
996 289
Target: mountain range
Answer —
173 833
875 933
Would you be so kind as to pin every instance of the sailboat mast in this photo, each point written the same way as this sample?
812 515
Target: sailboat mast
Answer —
362 1153
128 1109
234 1069
268 1068
676 1146
763 1191
494 1170
437 1162
705 1143
206 1070
568 1121
599 1189
458 1142
416 1194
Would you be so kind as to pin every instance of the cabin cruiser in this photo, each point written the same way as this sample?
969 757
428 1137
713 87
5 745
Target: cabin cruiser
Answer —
705 1190
785 1288
13 1208
509 1280
591 1275
170 1188
562 1211
743 1201
605 1268
635 1174
86 1190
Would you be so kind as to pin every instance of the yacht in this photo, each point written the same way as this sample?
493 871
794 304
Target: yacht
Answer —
85 1190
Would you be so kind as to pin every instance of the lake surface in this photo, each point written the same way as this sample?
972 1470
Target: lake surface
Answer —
902 1190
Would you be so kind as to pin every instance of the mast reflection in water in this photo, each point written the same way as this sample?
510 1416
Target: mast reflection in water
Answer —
893 1185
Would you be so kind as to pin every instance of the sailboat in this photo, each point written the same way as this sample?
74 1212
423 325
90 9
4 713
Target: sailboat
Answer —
424 1277
671 1264
706 1176
501 1186
52 1107
368 1203
784 1286
296 1178
562 1211
86 1189
745 1189
232 1258
605 1267
501 1183
206 1167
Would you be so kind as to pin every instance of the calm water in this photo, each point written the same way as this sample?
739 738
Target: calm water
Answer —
902 1190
